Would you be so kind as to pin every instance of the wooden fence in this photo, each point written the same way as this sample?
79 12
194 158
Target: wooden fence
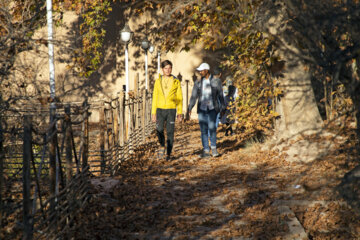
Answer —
44 170
124 125
47 157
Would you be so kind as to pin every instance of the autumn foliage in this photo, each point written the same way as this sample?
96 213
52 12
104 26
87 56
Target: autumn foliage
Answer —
232 28
87 59
228 26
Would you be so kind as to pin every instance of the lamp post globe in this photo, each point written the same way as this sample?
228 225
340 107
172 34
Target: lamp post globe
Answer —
126 34
151 48
145 44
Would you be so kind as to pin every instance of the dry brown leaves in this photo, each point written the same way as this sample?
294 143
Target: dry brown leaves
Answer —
234 195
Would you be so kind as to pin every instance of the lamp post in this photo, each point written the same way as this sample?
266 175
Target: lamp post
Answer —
125 36
151 49
145 44
158 60
54 167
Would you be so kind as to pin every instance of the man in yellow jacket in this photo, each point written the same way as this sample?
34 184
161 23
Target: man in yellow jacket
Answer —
166 104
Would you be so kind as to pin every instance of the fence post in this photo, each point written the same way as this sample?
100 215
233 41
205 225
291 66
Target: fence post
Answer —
119 118
86 135
106 126
135 113
2 159
138 111
187 94
27 153
148 109
108 111
116 121
52 159
68 142
143 114
102 135
132 113
123 110
112 133
136 87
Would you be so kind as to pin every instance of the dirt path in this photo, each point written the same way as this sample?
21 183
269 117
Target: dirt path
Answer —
243 194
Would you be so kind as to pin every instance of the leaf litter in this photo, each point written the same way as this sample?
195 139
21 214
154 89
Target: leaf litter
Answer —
234 196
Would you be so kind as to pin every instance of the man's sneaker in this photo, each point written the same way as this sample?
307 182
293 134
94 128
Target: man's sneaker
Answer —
161 152
214 152
204 154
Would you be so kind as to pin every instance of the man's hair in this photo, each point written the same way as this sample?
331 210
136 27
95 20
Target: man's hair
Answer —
217 71
165 63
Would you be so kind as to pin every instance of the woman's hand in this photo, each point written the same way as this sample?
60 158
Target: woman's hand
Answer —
153 118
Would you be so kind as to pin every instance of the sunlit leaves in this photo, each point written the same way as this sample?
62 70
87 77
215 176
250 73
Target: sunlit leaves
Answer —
93 14
230 25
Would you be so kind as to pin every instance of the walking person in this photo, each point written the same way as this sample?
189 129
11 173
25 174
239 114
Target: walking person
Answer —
228 83
208 93
166 106
217 74
228 117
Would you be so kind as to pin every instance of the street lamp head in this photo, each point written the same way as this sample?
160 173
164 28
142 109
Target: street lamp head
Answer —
126 34
145 44
151 48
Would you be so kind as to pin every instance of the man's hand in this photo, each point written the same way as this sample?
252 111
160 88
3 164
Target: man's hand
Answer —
153 118
180 117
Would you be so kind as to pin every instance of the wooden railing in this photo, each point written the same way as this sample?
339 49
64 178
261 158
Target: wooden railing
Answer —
124 125
47 157
44 169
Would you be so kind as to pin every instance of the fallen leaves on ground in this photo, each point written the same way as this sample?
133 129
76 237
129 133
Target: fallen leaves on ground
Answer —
234 195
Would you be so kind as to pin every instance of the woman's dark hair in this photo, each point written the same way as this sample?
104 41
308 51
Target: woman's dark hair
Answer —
165 63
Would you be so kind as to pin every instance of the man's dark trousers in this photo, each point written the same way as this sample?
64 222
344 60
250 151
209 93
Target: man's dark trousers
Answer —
168 116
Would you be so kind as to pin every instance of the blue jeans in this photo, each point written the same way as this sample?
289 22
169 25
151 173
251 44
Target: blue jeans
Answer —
207 122
217 123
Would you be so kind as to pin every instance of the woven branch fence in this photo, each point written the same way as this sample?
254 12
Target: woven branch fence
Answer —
48 154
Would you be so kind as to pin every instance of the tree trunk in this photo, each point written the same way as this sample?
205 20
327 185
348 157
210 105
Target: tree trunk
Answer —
356 101
297 107
298 110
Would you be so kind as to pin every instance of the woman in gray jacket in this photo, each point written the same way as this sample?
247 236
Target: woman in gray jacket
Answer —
209 94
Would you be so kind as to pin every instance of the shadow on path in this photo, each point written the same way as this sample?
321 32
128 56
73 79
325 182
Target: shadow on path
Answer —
235 196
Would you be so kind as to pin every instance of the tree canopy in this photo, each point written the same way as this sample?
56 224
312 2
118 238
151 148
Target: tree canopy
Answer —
322 33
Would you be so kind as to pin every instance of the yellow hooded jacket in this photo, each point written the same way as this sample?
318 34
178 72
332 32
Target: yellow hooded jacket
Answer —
174 100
